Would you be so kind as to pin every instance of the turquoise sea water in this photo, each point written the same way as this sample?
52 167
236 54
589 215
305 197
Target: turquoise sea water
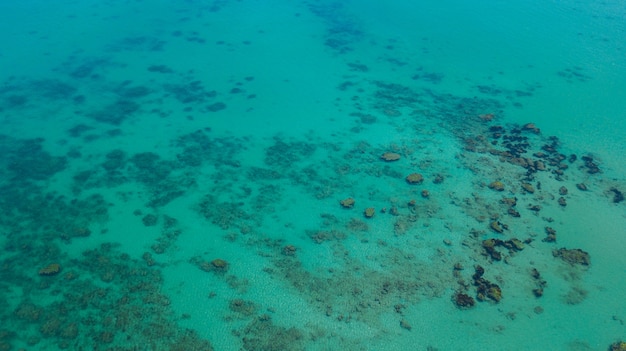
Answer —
175 175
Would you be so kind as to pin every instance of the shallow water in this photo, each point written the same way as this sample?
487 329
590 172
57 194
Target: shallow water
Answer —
173 175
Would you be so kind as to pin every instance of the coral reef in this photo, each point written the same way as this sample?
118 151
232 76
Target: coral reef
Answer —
573 256
618 196
528 188
51 269
618 346
484 288
489 245
414 178
107 298
463 300
219 265
289 250
390 156
497 226
539 282
531 127
496 185
550 235
263 334
347 202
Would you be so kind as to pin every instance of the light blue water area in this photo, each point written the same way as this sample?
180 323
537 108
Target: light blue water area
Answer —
241 175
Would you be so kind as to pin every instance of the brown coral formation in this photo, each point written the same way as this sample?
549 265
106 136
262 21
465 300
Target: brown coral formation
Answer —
414 178
590 164
497 185
531 127
51 269
490 248
289 250
463 301
487 117
528 188
539 282
618 346
347 202
404 324
390 156
485 288
489 245
242 307
573 256
369 212
550 235
219 265
497 227
511 202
